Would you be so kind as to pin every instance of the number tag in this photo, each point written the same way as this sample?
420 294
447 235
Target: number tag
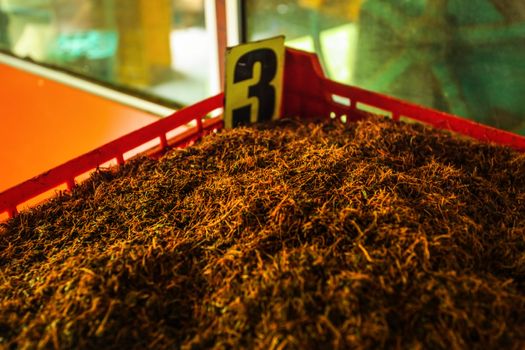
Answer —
254 82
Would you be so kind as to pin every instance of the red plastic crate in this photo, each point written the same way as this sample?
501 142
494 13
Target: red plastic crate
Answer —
307 93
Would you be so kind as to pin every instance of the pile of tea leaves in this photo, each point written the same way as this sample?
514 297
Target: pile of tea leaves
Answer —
286 235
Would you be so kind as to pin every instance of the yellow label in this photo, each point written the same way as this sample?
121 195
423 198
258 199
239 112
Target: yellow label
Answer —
254 82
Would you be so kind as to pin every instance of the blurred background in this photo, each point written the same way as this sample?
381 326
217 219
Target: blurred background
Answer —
79 73
158 47
458 56
463 57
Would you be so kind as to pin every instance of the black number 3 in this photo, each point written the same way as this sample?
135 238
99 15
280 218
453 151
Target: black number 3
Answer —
263 91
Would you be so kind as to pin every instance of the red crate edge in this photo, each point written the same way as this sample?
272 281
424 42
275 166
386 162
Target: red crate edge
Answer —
66 172
307 94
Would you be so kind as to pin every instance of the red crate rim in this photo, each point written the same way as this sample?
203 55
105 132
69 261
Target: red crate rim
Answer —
307 94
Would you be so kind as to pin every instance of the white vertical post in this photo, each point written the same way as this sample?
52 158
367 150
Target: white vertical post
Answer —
233 21
210 14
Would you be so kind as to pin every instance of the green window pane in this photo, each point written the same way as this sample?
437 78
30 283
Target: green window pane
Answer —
158 49
462 57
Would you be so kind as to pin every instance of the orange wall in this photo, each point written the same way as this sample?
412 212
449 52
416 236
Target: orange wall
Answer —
44 123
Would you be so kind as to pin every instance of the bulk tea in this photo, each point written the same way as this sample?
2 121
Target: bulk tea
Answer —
291 235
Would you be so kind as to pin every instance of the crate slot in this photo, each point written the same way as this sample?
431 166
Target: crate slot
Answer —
181 130
109 164
215 113
153 144
42 197
342 100
372 109
84 176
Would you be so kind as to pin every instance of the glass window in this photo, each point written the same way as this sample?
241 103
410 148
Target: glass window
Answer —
156 48
462 57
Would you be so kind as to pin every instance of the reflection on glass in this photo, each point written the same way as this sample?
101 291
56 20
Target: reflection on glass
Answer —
158 47
463 57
